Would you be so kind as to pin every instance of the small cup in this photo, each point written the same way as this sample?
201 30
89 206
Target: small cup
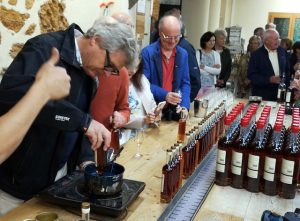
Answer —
47 216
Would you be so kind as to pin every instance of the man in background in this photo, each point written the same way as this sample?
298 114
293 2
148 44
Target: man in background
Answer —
267 67
195 77
166 67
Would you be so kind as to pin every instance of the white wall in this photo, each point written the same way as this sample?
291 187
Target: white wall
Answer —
81 12
248 14
254 13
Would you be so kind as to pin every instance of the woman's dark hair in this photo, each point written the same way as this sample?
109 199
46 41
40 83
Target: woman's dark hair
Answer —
136 79
205 38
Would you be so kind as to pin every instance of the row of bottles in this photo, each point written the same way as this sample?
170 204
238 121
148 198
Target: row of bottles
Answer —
263 159
191 147
231 124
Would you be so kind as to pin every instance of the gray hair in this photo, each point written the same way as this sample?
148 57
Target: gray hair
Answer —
115 36
268 33
220 32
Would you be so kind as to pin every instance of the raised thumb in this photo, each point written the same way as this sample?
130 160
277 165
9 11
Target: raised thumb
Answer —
54 56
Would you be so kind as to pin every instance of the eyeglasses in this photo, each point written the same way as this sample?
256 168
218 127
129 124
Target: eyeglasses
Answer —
109 67
170 38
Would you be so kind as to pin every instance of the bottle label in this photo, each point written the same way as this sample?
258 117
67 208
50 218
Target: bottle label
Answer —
288 97
278 93
253 163
287 171
221 160
162 183
269 170
237 160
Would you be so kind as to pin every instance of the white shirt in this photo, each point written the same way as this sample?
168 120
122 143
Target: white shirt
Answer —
273 56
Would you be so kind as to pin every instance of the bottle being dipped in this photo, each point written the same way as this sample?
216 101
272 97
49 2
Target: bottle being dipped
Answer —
115 140
281 92
166 180
256 157
239 160
290 164
273 158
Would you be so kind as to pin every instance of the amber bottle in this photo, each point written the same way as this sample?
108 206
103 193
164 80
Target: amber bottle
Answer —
181 129
224 154
256 157
290 165
166 181
239 159
273 158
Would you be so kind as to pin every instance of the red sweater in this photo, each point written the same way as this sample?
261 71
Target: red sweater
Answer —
112 95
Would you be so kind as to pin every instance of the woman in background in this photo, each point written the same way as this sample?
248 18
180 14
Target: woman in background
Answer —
243 83
209 63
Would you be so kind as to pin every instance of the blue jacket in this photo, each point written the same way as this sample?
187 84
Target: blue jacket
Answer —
154 72
195 79
260 70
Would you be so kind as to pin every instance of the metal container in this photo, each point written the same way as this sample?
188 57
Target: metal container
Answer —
106 184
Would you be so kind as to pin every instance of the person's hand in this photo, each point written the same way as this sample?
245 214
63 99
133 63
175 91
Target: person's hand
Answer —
118 120
173 98
220 82
150 118
216 66
97 134
295 84
55 80
275 80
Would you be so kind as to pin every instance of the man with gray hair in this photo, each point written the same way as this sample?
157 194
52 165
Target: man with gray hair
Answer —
53 144
268 66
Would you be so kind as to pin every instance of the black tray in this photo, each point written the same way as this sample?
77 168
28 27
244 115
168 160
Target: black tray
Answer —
70 192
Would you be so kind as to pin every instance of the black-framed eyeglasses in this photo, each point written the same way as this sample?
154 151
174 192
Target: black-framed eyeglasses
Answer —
170 38
109 67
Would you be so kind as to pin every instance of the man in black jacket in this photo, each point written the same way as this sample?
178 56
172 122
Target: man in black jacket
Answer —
55 143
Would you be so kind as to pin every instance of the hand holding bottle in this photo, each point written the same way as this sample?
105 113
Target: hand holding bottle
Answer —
275 79
173 98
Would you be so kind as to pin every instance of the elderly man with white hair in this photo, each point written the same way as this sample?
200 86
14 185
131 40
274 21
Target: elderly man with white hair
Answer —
268 66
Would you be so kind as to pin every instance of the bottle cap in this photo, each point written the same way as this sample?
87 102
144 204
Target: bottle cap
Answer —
260 124
277 126
245 121
85 205
295 128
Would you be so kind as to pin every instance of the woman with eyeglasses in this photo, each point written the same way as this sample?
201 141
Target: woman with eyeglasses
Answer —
209 63
143 111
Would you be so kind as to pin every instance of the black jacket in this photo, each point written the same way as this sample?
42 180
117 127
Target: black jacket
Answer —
225 65
195 79
260 70
33 166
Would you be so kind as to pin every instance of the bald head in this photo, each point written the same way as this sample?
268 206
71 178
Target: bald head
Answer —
169 22
122 18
